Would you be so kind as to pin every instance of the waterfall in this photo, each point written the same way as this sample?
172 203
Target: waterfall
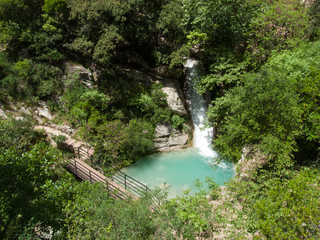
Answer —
202 136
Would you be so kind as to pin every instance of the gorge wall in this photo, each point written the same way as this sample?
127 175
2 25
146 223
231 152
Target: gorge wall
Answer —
166 137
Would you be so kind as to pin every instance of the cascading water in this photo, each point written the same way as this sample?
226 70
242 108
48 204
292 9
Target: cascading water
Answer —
178 170
197 106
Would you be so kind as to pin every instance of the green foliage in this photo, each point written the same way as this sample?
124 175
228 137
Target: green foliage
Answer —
7 82
178 57
96 99
225 74
252 118
94 215
272 108
81 45
59 139
281 207
222 23
106 44
117 143
314 11
189 216
291 209
73 92
213 188
170 19
19 134
51 6
177 121
277 25
43 46
139 137
34 79
152 105
24 179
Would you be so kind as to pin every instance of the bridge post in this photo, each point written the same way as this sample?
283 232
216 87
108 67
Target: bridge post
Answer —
90 176
75 166
125 181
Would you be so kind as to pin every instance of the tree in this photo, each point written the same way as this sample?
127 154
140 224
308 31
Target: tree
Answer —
273 108
277 25
25 177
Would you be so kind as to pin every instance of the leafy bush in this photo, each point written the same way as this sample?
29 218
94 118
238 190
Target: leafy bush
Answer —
188 215
27 199
93 214
18 134
35 79
7 81
273 107
117 143
291 209
177 121
59 139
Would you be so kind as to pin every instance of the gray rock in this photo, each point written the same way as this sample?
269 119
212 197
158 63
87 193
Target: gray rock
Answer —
162 131
167 139
19 118
178 140
175 96
85 74
25 110
3 114
43 111
161 143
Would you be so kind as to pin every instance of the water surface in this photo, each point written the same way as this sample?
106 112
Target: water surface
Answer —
178 170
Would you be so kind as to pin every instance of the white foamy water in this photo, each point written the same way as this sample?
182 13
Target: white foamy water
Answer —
202 136
180 169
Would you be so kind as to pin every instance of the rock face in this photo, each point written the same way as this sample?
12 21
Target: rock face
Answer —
175 99
86 76
3 114
43 111
250 161
168 139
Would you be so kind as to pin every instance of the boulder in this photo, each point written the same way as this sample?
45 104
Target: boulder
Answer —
85 74
25 110
168 139
43 111
162 131
3 114
178 139
175 97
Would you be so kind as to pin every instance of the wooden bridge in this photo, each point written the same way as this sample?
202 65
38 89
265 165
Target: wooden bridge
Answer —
119 185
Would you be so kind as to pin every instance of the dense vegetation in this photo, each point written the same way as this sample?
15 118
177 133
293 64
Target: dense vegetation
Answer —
259 62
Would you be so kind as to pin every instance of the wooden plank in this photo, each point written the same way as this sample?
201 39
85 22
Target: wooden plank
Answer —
87 173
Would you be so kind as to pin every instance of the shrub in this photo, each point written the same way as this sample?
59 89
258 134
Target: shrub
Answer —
177 121
291 209
59 139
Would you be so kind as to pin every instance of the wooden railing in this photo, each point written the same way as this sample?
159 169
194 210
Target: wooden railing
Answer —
81 153
84 172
